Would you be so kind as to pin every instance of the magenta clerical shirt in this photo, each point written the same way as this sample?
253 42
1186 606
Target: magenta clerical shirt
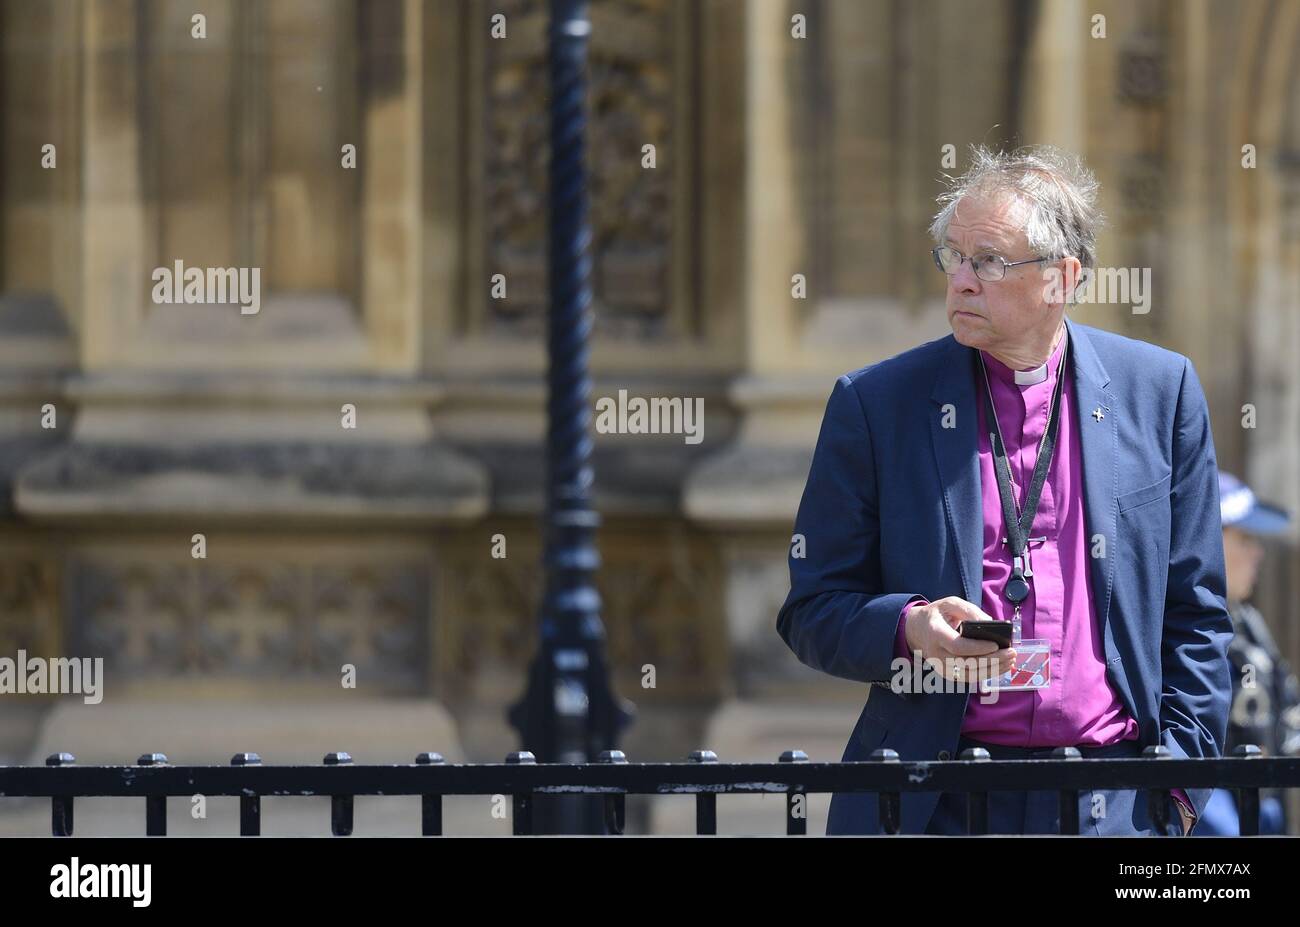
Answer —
1079 708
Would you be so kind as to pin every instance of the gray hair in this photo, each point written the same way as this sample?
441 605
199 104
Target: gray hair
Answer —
1059 193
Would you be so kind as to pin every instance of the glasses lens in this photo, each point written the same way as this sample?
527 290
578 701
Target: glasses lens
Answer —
989 267
947 259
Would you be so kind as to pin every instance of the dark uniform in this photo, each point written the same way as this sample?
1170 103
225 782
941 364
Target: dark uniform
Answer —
1265 712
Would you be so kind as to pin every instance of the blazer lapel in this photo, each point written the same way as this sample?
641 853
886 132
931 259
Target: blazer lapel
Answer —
1099 441
956 451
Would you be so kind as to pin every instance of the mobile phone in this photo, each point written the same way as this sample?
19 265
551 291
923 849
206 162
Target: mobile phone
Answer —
999 632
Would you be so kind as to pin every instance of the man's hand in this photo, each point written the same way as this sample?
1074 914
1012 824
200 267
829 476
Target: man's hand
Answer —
932 629
1187 817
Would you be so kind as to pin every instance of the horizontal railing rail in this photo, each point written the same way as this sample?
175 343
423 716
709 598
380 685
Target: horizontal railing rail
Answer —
1066 772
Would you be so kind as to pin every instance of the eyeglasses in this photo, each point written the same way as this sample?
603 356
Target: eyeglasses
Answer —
988 267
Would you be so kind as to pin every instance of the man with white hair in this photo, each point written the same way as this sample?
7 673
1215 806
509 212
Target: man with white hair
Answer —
1026 469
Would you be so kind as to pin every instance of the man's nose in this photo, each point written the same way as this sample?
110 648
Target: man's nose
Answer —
964 280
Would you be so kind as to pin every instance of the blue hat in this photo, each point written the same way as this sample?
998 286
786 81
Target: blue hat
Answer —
1239 508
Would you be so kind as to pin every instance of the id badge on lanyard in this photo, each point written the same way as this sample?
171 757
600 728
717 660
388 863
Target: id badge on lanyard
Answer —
1032 668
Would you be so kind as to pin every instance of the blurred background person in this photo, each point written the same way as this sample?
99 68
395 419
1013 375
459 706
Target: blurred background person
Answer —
1265 692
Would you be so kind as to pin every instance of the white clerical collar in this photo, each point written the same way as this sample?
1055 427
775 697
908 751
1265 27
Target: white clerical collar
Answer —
1025 378
1030 377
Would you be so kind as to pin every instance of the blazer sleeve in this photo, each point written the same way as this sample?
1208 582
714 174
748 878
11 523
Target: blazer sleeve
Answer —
837 617
1196 689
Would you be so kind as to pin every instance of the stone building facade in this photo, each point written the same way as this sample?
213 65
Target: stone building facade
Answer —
778 241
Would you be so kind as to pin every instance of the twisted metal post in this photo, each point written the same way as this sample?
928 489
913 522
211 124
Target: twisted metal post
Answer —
569 713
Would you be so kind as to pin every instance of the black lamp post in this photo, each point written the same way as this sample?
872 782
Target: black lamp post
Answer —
569 713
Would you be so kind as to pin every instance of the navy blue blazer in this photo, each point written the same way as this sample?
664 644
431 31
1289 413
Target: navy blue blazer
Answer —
892 509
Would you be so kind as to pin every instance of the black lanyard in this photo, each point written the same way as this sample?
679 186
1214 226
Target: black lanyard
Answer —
1017 587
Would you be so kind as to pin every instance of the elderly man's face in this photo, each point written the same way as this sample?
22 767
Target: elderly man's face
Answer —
1010 316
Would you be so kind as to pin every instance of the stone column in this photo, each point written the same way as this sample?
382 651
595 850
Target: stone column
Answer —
246 502
748 493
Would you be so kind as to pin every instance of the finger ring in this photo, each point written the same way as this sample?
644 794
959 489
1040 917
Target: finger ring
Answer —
958 671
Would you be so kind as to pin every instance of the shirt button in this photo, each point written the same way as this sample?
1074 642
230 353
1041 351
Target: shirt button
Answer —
945 755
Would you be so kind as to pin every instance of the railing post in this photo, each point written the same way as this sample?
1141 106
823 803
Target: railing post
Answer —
522 811
796 802
1069 817
1248 798
977 808
706 803
155 806
340 805
615 802
430 802
891 808
61 805
250 806
1158 799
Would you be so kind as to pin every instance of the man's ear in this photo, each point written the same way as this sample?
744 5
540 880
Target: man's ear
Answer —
1071 276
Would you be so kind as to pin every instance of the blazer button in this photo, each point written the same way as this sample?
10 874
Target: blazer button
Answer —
945 755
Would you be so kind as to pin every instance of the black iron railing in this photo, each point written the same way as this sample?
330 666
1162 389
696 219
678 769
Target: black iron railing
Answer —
153 779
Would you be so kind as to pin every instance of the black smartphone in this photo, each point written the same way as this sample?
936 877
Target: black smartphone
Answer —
999 632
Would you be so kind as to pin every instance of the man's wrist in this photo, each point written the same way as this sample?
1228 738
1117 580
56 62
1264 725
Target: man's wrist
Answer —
901 646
